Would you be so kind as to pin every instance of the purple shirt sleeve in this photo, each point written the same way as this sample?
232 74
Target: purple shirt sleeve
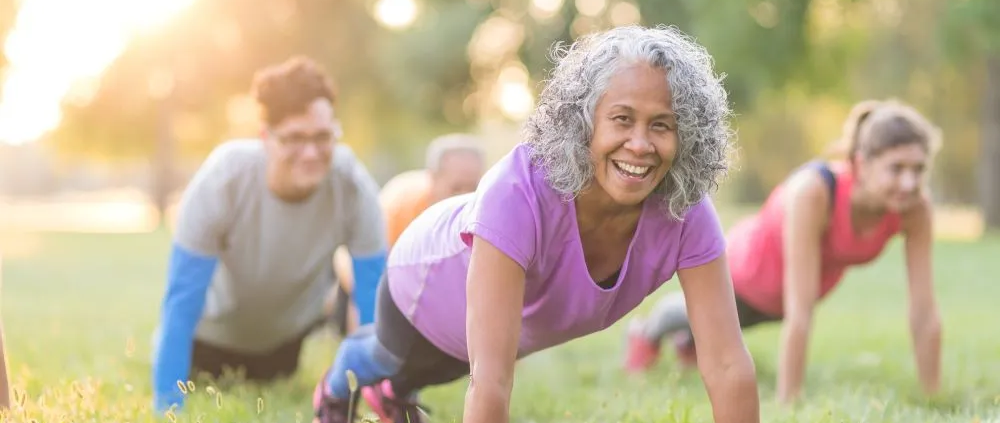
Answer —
702 239
504 212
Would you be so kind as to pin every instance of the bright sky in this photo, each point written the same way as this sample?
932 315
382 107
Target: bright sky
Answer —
57 47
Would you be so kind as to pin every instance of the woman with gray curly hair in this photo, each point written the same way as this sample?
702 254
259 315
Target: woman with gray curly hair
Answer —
604 200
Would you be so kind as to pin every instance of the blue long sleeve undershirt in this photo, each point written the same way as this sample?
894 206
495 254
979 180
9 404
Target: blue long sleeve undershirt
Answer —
367 274
189 275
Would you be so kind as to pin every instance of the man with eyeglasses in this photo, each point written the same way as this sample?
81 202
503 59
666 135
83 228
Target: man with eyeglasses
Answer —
251 259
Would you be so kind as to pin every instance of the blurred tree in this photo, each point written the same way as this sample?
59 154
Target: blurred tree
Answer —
971 39
793 69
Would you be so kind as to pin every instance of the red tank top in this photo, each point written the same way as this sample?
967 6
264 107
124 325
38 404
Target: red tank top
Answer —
755 253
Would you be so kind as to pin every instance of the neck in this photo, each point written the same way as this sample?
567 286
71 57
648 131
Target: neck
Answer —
596 208
864 206
284 190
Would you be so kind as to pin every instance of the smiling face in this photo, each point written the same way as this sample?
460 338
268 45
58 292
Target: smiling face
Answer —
299 149
894 177
635 134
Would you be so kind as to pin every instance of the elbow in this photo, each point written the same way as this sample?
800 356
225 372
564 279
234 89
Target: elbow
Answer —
926 325
798 321
734 369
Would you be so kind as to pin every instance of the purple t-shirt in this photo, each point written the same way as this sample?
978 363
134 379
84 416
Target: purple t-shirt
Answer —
517 211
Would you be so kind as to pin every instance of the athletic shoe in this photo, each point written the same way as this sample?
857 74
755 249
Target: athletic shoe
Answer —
329 409
641 353
685 350
389 409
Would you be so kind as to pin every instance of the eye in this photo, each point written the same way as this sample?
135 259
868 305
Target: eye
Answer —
661 126
621 119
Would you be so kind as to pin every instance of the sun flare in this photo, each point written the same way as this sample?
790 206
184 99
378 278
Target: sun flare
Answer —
57 46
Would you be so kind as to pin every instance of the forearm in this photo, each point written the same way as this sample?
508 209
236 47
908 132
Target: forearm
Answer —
188 278
172 360
792 360
732 388
925 328
367 274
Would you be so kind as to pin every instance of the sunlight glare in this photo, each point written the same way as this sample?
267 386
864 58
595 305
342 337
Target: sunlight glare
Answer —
396 14
513 95
56 45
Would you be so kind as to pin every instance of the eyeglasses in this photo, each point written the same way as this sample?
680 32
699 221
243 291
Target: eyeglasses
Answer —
297 141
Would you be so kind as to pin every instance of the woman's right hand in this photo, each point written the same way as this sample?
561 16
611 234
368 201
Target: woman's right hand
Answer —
495 291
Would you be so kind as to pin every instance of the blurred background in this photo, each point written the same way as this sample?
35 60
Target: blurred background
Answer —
108 106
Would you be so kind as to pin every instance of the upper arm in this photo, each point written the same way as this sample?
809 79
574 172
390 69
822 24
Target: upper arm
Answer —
918 230
366 225
711 308
495 292
206 204
806 207
705 280
505 213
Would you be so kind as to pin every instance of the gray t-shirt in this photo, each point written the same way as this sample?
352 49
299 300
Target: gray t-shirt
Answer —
275 257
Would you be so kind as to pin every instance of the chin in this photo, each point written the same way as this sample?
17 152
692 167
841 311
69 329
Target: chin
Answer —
902 206
629 199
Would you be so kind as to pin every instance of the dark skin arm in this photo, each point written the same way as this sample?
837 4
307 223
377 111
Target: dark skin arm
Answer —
805 220
495 291
723 359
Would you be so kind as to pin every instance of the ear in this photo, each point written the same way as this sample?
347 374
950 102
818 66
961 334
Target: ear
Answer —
856 160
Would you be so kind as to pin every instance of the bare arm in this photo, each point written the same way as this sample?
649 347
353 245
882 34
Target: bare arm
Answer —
723 359
495 292
805 217
925 324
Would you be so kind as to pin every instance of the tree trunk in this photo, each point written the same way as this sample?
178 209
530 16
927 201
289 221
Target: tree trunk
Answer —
989 167
163 160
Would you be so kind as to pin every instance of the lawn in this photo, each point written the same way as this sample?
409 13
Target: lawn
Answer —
79 311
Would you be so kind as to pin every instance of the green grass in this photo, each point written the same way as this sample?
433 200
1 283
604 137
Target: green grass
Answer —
79 311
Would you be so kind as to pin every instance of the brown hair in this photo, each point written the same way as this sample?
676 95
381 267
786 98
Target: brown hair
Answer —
874 126
288 88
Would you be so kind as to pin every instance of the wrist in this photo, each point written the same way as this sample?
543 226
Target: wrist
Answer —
162 401
486 403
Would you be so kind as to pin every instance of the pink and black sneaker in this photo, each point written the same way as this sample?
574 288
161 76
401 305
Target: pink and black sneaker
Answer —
390 409
641 353
684 348
329 409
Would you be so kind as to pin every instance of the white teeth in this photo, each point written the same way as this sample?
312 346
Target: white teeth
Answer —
635 170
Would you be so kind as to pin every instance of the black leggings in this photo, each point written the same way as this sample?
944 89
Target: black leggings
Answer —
392 349
423 364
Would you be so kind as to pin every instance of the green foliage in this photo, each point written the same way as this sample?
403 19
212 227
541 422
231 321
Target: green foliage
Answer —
969 29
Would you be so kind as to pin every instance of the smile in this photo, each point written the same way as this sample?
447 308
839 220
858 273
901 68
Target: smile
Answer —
632 171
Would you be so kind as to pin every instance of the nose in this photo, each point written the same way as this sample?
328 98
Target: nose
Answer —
909 181
309 150
639 143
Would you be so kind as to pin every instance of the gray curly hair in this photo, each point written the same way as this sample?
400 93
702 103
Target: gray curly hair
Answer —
560 129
